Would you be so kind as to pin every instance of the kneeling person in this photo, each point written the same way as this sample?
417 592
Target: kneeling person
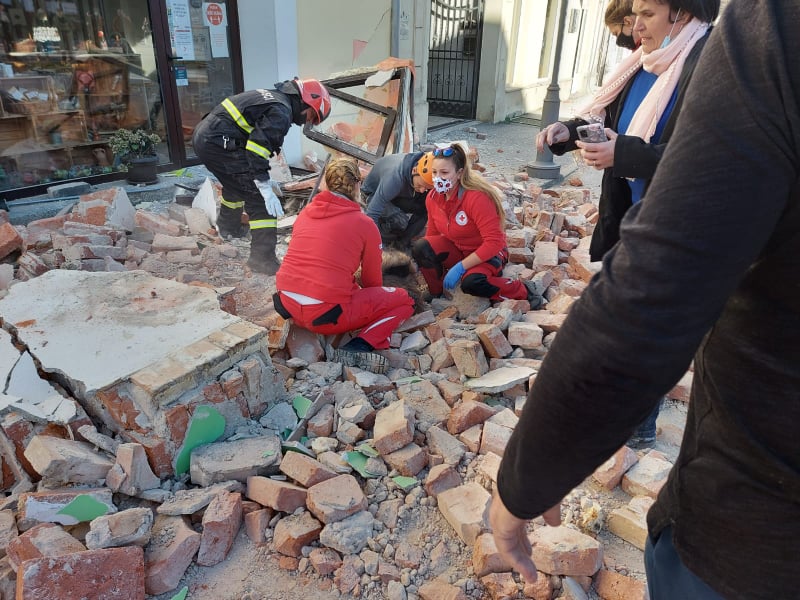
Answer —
394 192
316 282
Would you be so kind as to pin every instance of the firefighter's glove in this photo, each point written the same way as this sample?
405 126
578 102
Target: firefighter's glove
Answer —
271 202
454 275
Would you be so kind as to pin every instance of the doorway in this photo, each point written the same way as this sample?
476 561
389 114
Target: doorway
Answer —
454 57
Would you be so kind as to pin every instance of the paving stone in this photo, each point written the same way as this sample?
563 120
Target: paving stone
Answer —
66 461
294 532
169 553
336 499
564 551
305 470
610 473
236 460
394 427
278 495
466 508
221 523
42 541
131 527
109 574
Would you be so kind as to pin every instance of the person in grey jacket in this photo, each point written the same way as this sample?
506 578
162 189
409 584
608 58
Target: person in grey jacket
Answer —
394 192
707 266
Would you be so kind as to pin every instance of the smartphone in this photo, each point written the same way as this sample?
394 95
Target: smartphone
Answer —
593 133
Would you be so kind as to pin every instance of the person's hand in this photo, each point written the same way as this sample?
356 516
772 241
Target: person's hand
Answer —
511 536
454 275
555 133
271 202
599 155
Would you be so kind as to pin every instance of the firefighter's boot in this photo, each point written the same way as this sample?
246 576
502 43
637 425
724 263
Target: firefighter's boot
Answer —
262 251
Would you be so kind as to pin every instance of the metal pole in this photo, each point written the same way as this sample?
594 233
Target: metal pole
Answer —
544 167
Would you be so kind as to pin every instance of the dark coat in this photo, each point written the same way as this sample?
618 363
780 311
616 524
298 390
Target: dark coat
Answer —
633 157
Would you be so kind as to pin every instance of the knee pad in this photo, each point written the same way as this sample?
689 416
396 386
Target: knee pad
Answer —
477 284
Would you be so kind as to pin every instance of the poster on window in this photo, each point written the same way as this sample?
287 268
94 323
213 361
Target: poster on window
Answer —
180 28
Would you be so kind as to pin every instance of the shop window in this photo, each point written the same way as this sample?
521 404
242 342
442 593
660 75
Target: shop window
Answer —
72 73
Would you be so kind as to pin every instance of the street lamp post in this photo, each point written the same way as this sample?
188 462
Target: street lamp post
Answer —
544 167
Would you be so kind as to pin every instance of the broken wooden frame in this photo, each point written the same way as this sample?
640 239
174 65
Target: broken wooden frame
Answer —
391 122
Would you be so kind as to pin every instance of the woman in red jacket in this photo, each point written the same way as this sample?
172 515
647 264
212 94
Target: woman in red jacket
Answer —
316 282
466 241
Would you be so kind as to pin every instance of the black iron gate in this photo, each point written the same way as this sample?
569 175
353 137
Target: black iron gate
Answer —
454 57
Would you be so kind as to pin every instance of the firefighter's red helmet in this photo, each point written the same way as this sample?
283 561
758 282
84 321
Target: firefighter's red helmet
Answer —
316 96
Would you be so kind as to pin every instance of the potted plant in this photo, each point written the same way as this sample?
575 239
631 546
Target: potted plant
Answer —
136 149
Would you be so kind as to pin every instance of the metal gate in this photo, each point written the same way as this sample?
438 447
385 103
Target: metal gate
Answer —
454 57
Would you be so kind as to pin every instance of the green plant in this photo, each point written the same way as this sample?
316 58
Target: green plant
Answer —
128 144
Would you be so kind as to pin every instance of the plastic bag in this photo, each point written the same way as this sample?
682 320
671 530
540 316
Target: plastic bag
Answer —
207 201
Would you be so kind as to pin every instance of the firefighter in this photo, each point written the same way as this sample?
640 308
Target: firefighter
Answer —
236 140
394 192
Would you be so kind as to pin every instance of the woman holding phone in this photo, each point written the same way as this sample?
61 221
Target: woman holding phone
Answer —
638 106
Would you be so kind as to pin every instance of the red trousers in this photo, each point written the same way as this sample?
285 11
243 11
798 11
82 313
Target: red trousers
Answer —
376 311
484 280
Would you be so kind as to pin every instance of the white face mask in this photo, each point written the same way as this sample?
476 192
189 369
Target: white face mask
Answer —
442 185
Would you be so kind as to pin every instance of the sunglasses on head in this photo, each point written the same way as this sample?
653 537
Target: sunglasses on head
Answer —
444 151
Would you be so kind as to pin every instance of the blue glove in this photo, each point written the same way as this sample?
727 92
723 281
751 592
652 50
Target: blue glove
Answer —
454 275
271 202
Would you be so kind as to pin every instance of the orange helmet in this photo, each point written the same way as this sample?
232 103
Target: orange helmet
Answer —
316 96
424 168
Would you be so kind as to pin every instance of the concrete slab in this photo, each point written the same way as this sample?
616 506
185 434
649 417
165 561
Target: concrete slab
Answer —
96 329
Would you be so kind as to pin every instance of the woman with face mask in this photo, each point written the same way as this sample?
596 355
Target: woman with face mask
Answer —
638 105
619 19
641 100
465 241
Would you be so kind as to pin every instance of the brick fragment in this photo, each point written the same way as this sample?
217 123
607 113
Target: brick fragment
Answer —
278 495
394 427
305 470
466 508
336 499
469 358
615 586
486 558
109 574
610 473
221 523
441 590
408 461
255 524
467 414
66 461
42 541
294 532
170 552
564 551
325 560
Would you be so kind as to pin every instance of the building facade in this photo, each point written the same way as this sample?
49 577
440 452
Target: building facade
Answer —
72 72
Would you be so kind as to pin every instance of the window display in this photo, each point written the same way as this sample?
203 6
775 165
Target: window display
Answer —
71 74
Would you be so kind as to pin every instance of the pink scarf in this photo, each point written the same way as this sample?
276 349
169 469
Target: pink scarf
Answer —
667 63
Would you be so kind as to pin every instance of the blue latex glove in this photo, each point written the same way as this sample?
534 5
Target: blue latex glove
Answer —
271 202
454 275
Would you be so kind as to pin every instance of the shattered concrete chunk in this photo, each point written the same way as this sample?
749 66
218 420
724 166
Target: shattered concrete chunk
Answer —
237 460
125 528
66 461
187 502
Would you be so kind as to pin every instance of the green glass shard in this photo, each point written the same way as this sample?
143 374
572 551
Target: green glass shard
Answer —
297 447
182 594
268 453
404 380
405 482
301 404
207 426
492 402
359 462
84 508
367 450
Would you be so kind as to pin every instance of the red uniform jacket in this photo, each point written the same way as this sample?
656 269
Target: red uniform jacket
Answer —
469 219
331 239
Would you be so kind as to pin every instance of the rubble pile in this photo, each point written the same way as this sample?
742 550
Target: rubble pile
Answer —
118 482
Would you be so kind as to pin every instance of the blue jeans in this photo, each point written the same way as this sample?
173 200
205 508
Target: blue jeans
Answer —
647 428
667 576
